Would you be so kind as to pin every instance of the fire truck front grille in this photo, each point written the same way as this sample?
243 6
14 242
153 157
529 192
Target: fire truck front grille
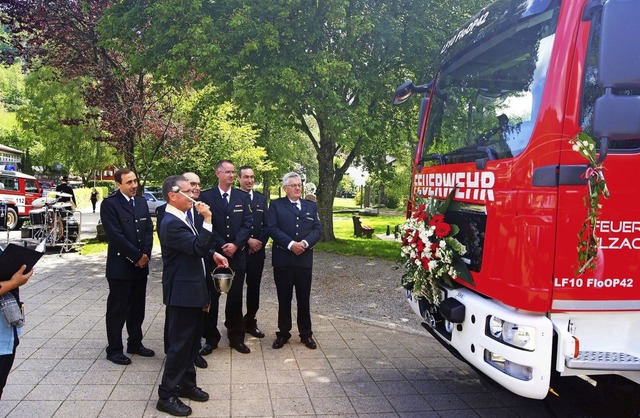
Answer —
604 360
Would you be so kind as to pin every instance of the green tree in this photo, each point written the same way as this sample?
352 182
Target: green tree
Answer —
132 105
212 132
332 64
49 119
11 86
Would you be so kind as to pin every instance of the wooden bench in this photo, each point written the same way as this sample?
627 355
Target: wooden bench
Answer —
360 230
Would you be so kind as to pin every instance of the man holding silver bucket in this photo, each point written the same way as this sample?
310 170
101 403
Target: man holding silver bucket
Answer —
231 231
184 290
294 226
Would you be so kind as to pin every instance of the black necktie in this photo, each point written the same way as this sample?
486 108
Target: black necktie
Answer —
132 204
225 202
296 207
190 217
190 220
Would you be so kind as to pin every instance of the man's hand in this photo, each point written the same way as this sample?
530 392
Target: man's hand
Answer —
204 210
220 260
298 247
229 249
144 260
255 245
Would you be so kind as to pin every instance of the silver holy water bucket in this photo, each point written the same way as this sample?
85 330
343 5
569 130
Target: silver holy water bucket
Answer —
222 281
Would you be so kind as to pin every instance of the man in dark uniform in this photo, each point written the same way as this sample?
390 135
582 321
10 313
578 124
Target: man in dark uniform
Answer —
184 292
129 230
64 187
294 227
231 230
255 249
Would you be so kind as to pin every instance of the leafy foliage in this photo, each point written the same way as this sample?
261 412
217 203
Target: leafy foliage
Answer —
63 35
330 65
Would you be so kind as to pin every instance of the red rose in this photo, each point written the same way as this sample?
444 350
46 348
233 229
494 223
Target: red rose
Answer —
425 263
442 229
420 246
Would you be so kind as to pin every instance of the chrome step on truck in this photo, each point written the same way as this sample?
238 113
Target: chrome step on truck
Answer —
604 360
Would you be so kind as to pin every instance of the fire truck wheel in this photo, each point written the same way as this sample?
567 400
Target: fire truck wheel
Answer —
13 221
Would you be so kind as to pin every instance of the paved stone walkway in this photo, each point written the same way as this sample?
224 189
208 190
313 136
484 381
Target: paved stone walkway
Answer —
360 369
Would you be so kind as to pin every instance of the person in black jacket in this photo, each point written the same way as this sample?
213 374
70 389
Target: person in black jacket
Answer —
129 229
231 230
184 292
294 227
64 187
255 249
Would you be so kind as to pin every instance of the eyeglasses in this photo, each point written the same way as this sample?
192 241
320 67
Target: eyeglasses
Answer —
294 186
194 184
227 172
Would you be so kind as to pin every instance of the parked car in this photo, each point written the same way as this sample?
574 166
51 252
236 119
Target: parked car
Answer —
348 194
154 200
47 186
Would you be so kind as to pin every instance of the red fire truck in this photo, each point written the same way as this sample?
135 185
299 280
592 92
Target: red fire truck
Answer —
515 85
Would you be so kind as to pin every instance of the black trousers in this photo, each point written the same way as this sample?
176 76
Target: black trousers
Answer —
234 321
125 304
255 266
182 344
6 362
288 278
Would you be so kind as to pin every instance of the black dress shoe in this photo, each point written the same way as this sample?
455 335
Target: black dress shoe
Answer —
255 332
208 348
200 362
173 406
142 351
195 394
119 358
279 342
309 342
241 348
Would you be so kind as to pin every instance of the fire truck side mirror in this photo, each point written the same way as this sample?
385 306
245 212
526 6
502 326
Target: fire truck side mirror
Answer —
403 92
616 116
619 66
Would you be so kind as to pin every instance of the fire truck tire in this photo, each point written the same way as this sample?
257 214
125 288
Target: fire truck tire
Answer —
13 220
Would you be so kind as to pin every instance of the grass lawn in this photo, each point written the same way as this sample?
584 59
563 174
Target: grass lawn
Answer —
345 243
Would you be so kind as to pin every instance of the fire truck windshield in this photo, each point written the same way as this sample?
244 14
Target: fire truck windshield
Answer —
491 82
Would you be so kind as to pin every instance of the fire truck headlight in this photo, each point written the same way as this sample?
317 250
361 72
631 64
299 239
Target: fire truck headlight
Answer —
516 335
510 368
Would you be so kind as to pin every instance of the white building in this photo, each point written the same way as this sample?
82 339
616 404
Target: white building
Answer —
10 158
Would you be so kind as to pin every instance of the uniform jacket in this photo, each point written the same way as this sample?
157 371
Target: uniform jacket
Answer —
183 276
259 212
130 235
285 225
230 225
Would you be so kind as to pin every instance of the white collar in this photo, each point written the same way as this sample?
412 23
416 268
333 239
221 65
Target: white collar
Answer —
223 192
177 213
127 198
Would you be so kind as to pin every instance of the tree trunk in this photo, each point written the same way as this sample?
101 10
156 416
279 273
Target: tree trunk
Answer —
266 185
326 188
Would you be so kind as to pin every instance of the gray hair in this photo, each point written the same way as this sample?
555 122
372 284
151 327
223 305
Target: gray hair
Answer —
169 184
288 176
